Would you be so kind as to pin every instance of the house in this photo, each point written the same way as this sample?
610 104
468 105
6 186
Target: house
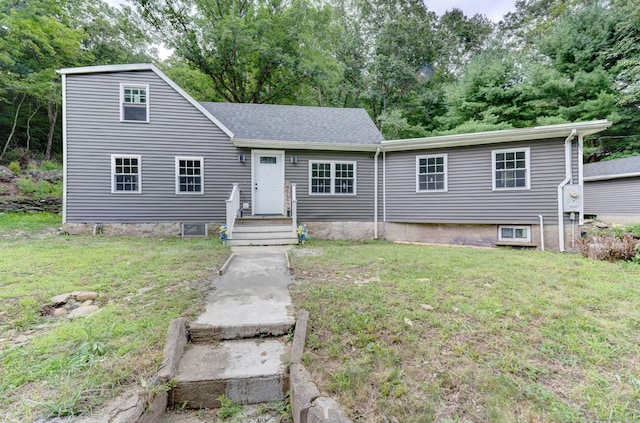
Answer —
612 190
141 155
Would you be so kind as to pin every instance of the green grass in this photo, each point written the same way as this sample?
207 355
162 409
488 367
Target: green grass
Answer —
12 222
69 367
426 333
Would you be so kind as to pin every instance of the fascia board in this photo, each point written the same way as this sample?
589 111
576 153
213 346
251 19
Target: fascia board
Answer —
154 69
607 177
301 145
495 137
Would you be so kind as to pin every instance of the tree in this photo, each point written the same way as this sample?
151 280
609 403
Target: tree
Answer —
254 51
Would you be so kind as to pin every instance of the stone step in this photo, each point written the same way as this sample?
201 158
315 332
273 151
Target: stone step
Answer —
263 221
247 372
271 241
263 228
263 235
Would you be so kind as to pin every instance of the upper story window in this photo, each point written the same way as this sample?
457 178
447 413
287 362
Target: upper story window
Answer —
332 177
431 173
511 168
189 175
134 103
125 174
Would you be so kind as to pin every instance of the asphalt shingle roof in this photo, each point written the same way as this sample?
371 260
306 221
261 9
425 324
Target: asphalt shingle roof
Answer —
296 123
613 167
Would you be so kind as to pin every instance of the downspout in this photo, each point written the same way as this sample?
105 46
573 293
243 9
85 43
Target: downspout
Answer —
541 232
375 194
384 186
580 176
64 149
568 172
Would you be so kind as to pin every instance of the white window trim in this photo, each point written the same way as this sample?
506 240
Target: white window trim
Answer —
133 84
527 157
177 175
446 173
527 228
113 172
333 177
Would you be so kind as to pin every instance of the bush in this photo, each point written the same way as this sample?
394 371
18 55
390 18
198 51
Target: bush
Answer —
38 189
14 167
49 165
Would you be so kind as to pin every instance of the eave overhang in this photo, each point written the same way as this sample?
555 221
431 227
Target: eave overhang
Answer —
299 145
496 137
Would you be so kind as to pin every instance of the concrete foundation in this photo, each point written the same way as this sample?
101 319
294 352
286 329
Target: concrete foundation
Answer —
474 235
340 230
126 229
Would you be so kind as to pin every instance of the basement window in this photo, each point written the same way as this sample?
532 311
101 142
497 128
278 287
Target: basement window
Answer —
514 233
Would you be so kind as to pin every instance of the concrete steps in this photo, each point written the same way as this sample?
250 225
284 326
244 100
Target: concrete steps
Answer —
246 371
263 231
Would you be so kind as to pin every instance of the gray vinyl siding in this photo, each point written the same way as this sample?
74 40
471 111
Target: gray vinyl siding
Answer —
470 198
613 197
176 128
339 207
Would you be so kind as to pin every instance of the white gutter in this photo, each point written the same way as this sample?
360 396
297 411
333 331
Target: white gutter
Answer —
568 172
375 194
64 149
298 145
607 177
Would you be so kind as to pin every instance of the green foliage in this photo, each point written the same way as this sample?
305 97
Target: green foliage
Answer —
49 165
14 167
39 189
228 408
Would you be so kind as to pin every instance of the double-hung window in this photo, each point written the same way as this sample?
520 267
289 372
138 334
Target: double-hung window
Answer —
332 177
125 174
431 173
134 103
511 169
189 175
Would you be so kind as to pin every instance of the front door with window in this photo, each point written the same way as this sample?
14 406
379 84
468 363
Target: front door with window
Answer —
268 182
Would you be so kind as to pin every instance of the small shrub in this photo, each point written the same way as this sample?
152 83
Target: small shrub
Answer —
14 167
633 230
49 165
31 166
39 189
228 407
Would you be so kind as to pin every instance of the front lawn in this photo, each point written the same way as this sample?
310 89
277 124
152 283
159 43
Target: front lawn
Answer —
61 367
403 333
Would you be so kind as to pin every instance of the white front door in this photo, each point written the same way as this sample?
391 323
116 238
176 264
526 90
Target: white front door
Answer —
268 182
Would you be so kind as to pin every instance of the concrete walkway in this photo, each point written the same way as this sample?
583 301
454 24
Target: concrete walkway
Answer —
249 308
252 296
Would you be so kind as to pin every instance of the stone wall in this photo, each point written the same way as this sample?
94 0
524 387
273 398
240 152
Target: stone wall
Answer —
53 205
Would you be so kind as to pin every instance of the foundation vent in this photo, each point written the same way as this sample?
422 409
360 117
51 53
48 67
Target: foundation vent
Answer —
194 230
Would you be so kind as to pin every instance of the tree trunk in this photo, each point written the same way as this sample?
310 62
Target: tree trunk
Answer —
29 124
13 128
52 111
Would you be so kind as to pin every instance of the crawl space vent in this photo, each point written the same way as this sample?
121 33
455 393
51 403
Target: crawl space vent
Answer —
192 230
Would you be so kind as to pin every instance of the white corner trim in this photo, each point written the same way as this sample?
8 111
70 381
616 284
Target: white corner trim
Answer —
64 149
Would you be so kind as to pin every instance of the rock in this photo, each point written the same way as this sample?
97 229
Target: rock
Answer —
46 175
86 295
21 339
426 307
408 321
5 174
71 305
60 299
60 312
86 303
83 312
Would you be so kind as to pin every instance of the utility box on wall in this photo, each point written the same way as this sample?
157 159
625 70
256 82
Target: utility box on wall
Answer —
572 198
